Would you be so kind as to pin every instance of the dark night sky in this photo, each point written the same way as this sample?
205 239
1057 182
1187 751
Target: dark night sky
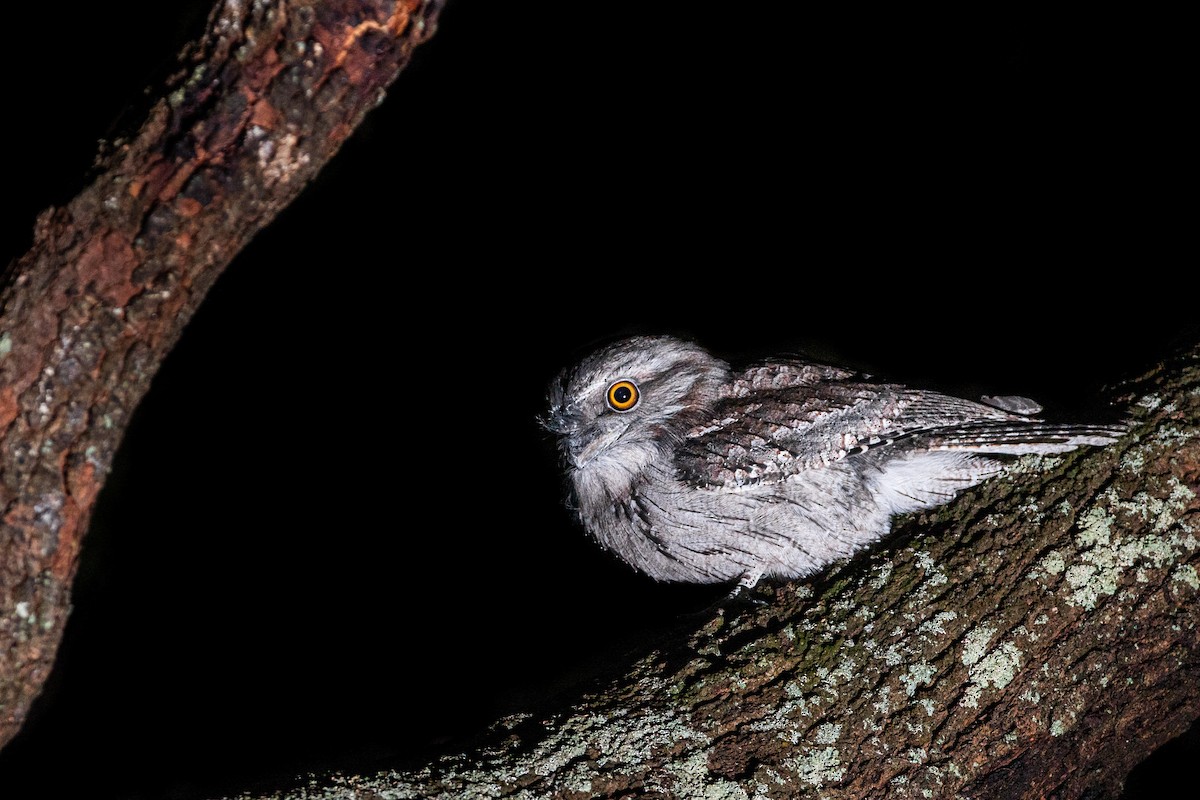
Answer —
334 536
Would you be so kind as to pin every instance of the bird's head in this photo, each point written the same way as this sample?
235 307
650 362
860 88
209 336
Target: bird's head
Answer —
627 399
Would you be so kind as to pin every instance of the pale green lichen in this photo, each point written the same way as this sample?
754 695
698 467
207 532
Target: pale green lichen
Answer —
5 344
1053 563
934 576
781 720
29 617
893 656
690 778
1172 436
1150 401
1090 583
1104 561
1133 461
818 767
975 644
1181 496
917 755
937 624
197 76
828 733
724 790
996 669
1029 464
1095 527
775 776
884 704
1032 511
1186 574
842 674
624 738
1164 513
920 674
882 573
843 606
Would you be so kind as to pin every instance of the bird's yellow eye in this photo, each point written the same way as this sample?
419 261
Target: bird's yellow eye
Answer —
622 395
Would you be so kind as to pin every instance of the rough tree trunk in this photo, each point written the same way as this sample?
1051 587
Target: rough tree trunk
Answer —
266 97
1037 638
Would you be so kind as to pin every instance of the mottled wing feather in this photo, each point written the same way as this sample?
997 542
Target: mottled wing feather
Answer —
775 421
786 375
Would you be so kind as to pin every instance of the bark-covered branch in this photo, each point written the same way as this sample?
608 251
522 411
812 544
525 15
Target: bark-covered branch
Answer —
263 100
1037 638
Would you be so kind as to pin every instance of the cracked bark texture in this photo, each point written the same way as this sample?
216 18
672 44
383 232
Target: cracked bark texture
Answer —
1037 638
262 101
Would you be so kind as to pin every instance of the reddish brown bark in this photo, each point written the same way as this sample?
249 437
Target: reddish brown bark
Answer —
263 100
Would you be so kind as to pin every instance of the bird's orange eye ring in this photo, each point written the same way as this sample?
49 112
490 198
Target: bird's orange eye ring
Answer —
622 395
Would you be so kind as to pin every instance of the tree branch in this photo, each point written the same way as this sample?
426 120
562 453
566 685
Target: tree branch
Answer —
266 97
1037 638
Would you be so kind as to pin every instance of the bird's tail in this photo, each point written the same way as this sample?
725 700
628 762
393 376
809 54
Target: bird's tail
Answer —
1017 438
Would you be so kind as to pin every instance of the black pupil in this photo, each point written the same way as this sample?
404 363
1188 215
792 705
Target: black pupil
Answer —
622 395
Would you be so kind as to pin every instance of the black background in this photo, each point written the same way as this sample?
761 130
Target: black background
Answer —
334 537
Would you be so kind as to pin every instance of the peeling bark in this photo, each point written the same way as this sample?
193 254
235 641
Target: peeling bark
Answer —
264 99
1036 638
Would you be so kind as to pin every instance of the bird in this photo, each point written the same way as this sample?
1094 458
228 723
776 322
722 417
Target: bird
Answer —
692 472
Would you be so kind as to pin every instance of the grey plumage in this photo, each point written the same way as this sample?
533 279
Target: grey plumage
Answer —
691 472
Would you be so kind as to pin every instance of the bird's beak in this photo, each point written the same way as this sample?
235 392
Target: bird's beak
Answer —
557 422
